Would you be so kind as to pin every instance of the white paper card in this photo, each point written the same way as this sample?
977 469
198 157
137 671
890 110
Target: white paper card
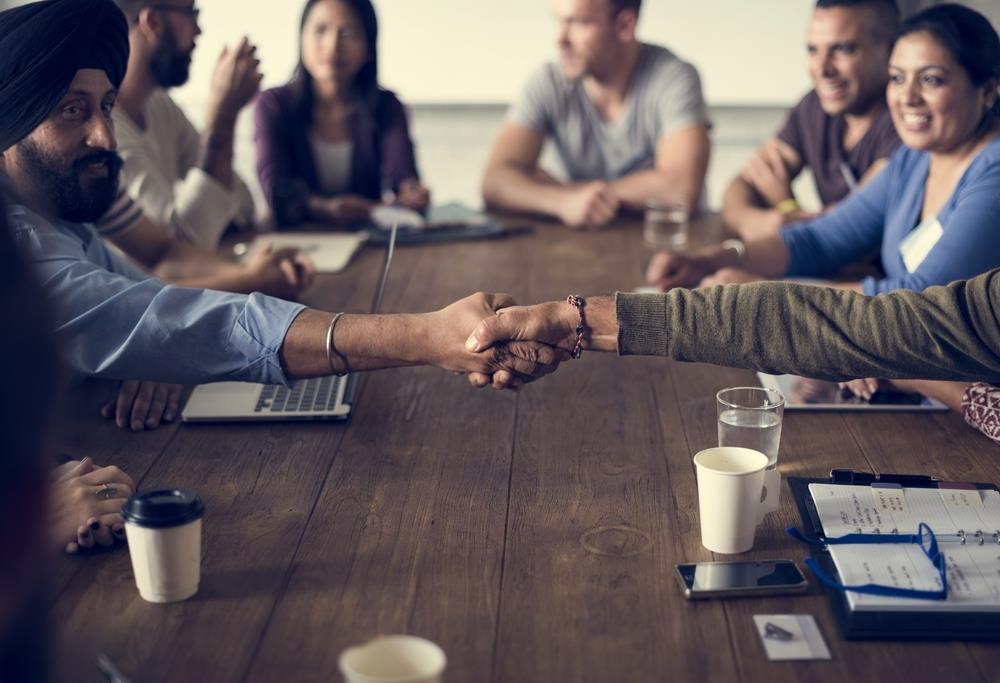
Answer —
330 252
806 642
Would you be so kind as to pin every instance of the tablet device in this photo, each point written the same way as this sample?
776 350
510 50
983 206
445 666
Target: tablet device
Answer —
802 393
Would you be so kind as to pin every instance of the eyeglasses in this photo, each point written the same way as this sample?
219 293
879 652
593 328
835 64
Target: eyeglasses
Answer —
191 11
924 537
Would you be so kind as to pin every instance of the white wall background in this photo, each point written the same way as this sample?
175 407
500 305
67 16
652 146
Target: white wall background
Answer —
747 51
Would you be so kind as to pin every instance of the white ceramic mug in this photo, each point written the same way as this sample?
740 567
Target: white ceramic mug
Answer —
732 497
393 659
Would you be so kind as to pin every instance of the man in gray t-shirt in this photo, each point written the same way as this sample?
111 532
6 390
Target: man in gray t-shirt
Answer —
627 119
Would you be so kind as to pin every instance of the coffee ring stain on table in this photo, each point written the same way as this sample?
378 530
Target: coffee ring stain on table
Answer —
618 540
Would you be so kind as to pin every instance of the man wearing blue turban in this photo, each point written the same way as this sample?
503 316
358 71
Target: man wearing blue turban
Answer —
55 54
63 61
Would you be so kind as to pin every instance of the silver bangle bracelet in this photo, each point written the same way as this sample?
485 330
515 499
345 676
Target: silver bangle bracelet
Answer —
738 246
330 350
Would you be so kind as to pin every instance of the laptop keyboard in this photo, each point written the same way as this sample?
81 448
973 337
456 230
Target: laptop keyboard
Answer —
305 396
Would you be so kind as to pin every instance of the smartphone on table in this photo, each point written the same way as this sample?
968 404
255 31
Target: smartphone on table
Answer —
740 579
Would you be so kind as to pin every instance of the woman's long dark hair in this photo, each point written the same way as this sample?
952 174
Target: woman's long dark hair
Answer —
967 35
365 87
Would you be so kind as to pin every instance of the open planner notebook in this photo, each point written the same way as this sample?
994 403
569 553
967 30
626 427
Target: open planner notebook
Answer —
953 514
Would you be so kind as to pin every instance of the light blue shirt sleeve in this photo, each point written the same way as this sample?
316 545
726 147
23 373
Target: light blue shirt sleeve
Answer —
821 246
119 323
970 240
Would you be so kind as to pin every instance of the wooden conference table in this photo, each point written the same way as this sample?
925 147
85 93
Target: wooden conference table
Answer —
532 535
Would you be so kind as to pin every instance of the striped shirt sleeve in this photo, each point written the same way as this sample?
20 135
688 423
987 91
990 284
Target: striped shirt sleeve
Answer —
123 215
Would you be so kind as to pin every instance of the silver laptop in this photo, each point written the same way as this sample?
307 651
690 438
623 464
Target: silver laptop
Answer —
321 398
813 394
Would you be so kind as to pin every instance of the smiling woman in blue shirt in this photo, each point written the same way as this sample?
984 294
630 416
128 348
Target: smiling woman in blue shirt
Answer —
933 213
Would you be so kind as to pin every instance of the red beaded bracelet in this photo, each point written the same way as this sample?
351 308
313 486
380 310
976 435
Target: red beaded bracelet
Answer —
579 303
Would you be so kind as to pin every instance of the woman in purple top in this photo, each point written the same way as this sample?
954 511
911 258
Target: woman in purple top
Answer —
332 142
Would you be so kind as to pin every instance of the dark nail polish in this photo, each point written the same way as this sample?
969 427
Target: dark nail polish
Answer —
95 525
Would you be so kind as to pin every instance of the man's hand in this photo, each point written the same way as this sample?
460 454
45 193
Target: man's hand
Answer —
345 210
235 82
446 338
143 405
669 269
413 195
767 172
283 273
590 205
729 276
553 323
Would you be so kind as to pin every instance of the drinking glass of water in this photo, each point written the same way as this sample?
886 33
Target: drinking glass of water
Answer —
666 225
750 417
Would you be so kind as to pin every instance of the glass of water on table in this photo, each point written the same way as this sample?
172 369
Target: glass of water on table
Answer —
666 225
750 417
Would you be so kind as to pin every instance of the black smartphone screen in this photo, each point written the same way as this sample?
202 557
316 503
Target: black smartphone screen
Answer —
723 576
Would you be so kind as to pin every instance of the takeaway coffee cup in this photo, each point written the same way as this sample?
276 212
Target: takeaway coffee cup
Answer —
163 529
732 497
393 659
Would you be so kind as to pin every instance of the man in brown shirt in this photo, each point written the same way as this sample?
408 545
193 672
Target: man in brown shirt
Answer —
841 129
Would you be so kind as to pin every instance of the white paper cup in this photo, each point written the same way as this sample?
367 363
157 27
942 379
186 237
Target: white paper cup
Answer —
393 659
732 498
163 529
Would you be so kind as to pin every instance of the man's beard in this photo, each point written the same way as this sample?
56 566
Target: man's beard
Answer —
170 67
60 189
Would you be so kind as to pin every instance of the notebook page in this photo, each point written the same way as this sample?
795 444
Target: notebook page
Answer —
330 252
859 509
973 576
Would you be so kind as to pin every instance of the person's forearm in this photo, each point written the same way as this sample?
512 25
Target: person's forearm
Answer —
366 342
216 152
233 278
636 189
514 189
942 333
767 256
949 393
601 322
187 265
745 212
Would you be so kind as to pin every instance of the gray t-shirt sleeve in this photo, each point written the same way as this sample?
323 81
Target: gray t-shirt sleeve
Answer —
679 101
535 108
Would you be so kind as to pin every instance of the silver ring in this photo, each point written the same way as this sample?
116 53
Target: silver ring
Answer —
106 493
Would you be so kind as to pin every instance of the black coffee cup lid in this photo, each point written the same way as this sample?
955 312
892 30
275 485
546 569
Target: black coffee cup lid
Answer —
163 508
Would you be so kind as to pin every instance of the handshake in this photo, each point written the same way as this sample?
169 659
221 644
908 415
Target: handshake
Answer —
497 343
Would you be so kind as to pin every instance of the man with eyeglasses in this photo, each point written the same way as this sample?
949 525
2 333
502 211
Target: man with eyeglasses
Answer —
181 179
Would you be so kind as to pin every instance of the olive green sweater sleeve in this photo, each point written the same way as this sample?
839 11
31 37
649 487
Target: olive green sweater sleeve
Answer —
950 332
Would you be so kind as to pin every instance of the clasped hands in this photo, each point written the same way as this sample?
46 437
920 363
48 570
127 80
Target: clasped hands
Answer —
495 342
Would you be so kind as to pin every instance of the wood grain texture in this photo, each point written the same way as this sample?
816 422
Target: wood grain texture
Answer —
532 535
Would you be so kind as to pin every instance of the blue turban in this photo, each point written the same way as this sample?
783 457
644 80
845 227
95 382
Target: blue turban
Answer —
43 45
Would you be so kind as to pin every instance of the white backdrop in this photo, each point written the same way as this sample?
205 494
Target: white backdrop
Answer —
747 51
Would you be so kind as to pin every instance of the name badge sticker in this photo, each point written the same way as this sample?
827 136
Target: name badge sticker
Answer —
918 244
